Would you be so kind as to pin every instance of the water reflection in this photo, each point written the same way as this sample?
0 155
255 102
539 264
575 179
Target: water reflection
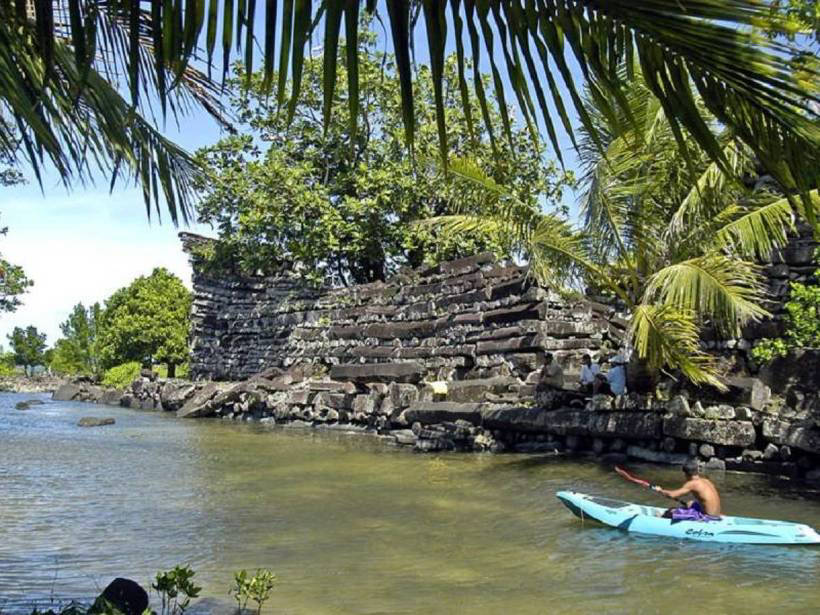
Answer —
352 525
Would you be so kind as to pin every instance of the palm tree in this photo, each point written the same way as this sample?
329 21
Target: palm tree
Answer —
675 256
55 58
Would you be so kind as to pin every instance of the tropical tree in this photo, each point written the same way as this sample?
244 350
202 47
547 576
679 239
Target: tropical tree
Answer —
62 67
13 280
342 208
146 321
28 346
675 255
76 352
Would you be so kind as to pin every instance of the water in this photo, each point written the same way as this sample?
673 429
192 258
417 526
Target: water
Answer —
352 525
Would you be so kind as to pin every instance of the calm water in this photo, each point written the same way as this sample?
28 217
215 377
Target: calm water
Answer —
352 525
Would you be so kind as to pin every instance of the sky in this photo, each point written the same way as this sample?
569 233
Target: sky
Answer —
82 245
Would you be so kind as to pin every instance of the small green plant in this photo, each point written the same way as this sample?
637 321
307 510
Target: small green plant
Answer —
176 589
802 322
121 376
256 588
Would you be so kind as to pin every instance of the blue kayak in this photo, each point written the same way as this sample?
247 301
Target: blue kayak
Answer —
647 520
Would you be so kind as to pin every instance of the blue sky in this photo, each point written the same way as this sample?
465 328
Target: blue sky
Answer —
82 245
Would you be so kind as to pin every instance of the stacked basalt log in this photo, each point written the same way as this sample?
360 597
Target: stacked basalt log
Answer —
474 317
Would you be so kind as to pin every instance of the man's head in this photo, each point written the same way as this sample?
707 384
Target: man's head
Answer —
586 359
690 468
547 358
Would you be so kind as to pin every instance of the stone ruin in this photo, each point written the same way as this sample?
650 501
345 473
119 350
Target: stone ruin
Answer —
366 359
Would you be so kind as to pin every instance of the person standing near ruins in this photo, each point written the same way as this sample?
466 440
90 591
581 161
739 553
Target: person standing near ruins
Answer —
617 373
589 369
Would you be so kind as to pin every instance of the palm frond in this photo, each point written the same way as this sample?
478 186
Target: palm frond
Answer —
666 337
711 185
681 47
755 231
725 289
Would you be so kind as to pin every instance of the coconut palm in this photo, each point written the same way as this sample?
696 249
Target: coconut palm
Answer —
53 54
674 255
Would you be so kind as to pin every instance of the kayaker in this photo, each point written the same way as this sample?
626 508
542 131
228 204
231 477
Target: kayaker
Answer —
708 500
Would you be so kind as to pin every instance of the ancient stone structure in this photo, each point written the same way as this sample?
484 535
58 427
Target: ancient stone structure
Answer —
758 435
372 359
469 318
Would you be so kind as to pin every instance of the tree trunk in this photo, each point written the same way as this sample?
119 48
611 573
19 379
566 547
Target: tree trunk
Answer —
172 370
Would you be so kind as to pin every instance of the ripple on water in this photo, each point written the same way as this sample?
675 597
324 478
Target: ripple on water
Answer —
351 525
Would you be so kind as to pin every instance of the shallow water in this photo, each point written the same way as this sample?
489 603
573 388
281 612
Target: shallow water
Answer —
353 525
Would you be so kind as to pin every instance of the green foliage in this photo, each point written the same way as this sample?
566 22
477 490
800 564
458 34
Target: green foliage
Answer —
13 280
176 589
29 347
341 208
7 364
256 588
802 322
76 352
121 376
147 322
672 239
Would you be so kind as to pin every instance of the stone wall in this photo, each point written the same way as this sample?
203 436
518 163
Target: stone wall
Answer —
753 433
469 318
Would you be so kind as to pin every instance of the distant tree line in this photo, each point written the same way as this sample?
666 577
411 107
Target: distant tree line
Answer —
145 324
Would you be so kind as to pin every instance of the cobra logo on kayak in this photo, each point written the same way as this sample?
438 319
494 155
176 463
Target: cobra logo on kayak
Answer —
694 532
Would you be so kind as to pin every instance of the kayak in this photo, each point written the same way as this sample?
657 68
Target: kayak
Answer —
647 520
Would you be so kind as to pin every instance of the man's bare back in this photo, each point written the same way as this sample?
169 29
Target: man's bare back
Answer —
703 489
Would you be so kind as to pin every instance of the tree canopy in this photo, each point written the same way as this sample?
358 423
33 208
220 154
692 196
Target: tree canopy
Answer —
76 352
28 346
73 81
344 207
146 321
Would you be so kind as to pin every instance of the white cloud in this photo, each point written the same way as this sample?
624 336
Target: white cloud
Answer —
80 248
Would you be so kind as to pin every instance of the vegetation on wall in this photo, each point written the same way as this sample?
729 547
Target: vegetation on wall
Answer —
802 321
676 254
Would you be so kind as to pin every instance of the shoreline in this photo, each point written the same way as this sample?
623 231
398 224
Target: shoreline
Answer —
723 437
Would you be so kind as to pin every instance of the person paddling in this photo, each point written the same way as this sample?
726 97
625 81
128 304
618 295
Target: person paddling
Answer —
708 500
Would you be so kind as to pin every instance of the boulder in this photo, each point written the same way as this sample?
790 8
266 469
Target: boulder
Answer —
475 390
93 421
636 425
719 413
200 405
431 412
66 392
537 420
730 433
173 395
111 397
378 372
402 395
679 406
122 596
795 435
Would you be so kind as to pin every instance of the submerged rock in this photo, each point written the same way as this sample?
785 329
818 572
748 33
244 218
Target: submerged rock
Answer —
93 421
25 405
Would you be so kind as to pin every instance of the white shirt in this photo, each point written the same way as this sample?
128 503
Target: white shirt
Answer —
588 373
617 375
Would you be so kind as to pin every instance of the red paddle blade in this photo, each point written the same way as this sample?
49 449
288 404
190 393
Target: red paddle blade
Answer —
634 479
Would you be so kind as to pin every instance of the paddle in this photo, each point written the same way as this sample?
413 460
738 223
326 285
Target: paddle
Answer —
644 483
